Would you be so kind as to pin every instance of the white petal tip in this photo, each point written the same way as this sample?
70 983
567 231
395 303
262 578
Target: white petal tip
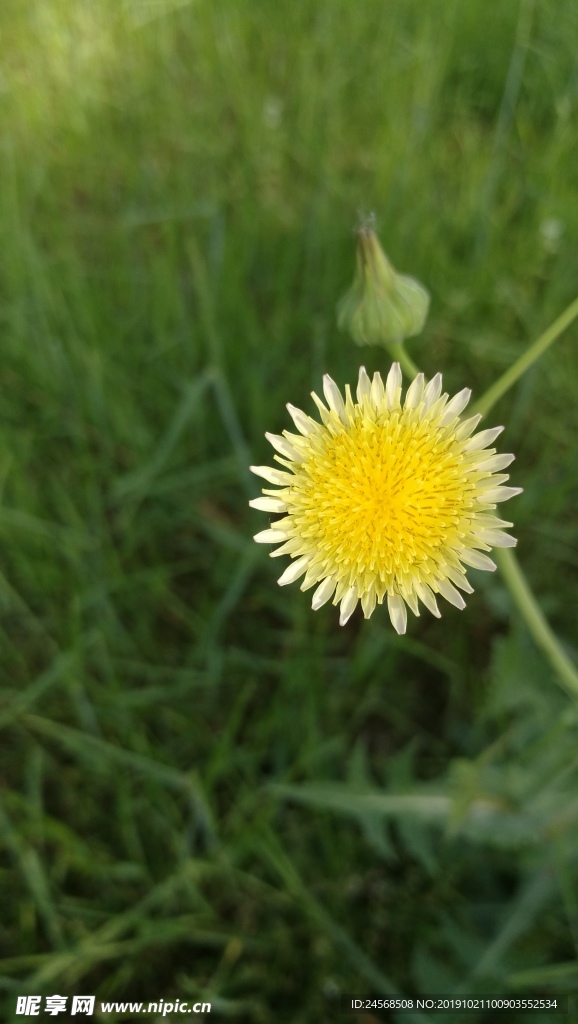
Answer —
323 593
348 605
397 612
293 571
270 537
453 596
274 505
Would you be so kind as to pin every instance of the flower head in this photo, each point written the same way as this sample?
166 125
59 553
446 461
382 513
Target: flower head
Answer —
382 307
386 500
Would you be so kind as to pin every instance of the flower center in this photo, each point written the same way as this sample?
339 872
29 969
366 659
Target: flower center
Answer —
384 498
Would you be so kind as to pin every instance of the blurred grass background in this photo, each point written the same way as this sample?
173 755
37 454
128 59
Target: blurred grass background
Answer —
208 790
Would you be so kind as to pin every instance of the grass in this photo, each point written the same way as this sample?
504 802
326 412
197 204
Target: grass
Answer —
208 791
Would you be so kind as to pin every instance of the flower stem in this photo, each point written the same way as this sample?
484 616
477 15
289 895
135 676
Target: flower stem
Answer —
397 351
505 382
514 577
535 620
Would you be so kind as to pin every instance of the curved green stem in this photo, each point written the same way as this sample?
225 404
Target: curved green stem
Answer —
407 364
505 382
535 620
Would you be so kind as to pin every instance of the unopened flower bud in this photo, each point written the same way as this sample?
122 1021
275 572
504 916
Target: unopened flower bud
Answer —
382 307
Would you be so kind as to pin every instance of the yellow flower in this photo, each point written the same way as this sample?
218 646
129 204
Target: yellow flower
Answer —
386 500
